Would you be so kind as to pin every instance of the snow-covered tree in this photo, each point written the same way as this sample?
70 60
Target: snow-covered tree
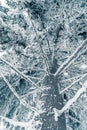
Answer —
43 67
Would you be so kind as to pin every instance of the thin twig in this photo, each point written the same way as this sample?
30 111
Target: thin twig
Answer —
70 79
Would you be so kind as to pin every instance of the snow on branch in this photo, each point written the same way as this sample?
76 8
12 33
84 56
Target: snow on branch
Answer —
45 58
72 78
75 81
70 59
57 112
21 74
22 101
16 123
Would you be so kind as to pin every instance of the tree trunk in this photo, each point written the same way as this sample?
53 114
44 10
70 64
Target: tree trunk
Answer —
52 99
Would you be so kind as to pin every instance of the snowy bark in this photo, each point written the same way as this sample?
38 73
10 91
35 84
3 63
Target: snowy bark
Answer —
71 101
52 99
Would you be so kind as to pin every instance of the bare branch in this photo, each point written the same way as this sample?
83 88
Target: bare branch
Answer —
71 59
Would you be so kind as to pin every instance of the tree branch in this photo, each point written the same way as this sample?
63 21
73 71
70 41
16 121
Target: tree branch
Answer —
57 112
71 59
70 79
16 123
83 76
21 74
22 101
40 45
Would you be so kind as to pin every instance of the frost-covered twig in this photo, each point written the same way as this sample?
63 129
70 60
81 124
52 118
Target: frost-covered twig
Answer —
22 101
45 58
70 79
21 74
48 46
57 112
41 79
16 123
52 54
40 46
70 59
76 120
75 81
33 69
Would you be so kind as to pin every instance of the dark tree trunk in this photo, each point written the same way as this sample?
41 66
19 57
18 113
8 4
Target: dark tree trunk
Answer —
52 99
